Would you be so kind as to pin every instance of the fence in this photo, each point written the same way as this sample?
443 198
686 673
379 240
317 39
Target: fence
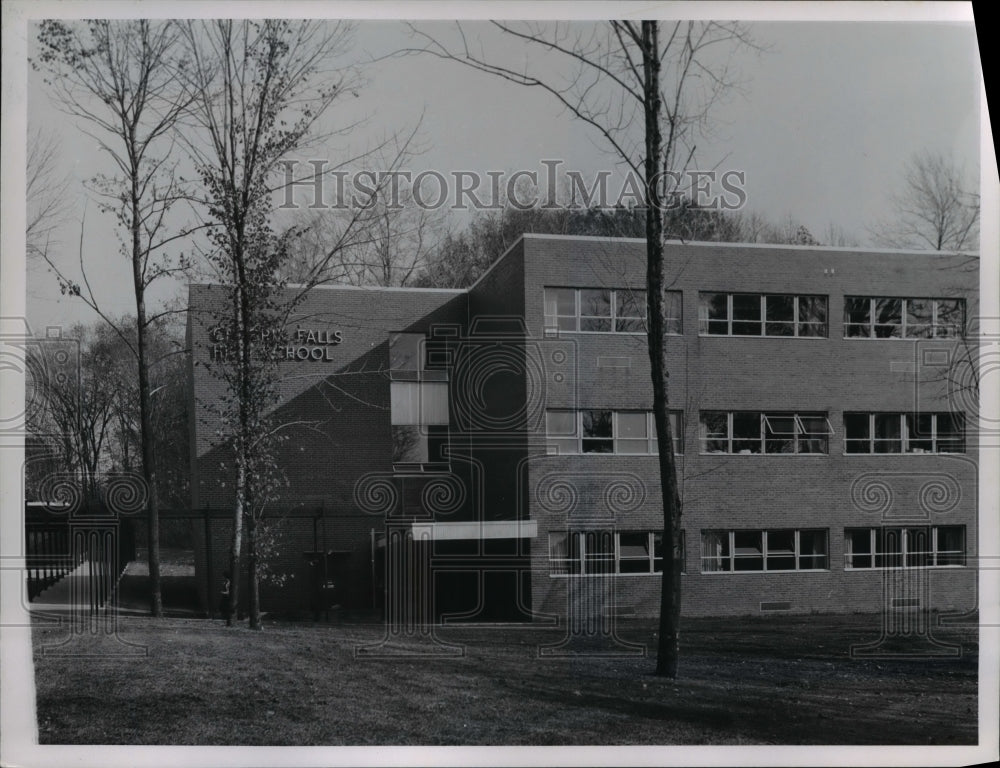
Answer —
60 539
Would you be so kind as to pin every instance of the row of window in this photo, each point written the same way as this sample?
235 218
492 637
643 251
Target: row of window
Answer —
783 549
606 431
623 310
755 432
602 310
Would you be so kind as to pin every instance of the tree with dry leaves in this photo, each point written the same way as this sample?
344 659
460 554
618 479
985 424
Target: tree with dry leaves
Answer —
647 89
118 78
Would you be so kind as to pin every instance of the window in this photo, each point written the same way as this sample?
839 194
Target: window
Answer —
597 432
753 314
871 317
607 552
784 549
904 433
418 406
746 432
603 310
414 357
911 547
419 448
607 431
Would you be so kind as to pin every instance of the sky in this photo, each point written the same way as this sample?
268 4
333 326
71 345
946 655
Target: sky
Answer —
826 117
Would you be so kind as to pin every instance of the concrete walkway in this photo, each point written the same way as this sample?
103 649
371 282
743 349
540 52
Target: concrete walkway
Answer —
131 597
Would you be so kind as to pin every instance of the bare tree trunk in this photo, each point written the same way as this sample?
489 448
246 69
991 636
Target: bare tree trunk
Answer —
236 545
145 413
244 406
252 568
668 650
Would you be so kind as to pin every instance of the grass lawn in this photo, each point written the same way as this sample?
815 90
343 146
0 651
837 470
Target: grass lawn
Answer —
783 680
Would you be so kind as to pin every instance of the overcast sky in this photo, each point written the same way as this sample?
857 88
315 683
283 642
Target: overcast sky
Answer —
824 122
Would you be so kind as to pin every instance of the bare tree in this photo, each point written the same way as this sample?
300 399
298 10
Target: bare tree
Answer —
387 240
80 410
46 187
118 78
935 208
647 88
257 90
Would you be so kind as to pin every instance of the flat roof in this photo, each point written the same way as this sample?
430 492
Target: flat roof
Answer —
635 240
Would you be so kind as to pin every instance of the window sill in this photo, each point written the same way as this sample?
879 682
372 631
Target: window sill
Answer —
757 573
620 455
909 453
756 336
906 568
902 338
552 332
595 575
787 455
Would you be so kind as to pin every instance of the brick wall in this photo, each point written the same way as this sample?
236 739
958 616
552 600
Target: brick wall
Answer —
831 374
337 429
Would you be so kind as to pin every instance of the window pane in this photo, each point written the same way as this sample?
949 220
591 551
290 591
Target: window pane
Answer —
632 446
405 351
563 446
658 552
677 430
713 313
560 301
560 428
627 325
951 433
780 433
746 433
815 436
889 548
950 317
919 318
748 550
404 402
597 436
858 548
558 545
812 550
564 552
630 303
715 431
673 311
781 550
746 314
888 318
918 547
595 302
780 314
632 424
812 315
433 402
560 423
951 545
599 552
566 323
409 445
715 554
597 424
887 433
856 433
918 431
595 324
857 317
633 552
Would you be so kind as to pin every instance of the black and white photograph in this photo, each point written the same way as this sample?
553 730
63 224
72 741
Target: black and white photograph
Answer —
543 383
